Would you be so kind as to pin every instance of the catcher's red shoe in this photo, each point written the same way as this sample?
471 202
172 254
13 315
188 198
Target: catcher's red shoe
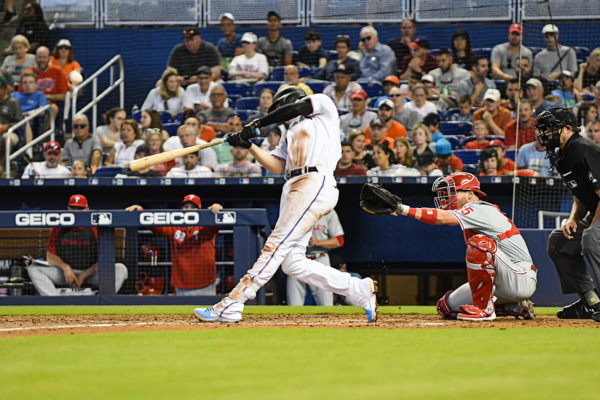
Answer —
472 313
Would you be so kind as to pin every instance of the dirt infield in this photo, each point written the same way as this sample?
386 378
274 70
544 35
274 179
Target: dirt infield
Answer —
12 326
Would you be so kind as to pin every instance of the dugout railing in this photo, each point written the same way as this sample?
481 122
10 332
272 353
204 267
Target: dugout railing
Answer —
118 241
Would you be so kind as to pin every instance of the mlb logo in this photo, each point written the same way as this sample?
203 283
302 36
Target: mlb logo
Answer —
226 217
102 218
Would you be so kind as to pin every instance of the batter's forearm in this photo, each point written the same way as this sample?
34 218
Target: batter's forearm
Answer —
285 113
271 163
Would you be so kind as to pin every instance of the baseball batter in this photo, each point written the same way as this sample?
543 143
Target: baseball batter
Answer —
327 234
308 154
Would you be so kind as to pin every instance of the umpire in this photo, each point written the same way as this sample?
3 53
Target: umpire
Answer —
577 159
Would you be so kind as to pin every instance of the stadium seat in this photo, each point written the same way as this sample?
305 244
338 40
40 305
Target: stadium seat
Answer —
434 52
534 49
137 116
107 172
582 52
244 114
247 103
486 51
240 89
277 74
273 85
456 128
510 154
342 112
500 84
305 72
331 55
587 97
373 88
471 168
317 85
171 128
165 117
468 156
454 141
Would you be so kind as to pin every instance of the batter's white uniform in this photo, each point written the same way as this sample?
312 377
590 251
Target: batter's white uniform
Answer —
311 141
516 277
40 170
327 227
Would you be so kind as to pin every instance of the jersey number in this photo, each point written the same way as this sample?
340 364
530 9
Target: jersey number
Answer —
466 210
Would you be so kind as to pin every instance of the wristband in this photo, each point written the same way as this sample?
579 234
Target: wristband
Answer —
412 212
404 209
429 215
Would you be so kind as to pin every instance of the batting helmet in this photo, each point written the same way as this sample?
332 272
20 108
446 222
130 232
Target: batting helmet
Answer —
548 126
287 95
446 187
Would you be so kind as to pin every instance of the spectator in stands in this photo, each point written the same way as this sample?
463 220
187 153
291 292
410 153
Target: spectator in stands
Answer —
447 74
465 110
401 46
168 96
388 83
78 169
198 122
489 165
197 95
587 112
447 162
123 152
433 121
566 92
363 155
33 26
311 54
392 128
83 146
150 119
110 133
275 46
216 116
10 114
17 62
403 152
492 113
30 100
272 139
346 166
190 134
592 131
377 60
340 91
526 123
63 57
72 255
190 55
421 138
265 100
51 167
154 141
190 168
534 89
555 58
386 163
193 268
480 132
532 156
419 101
506 164
223 151
358 118
143 150
462 54
428 166
505 55
10 13
513 93
250 66
240 166
420 60
588 74
408 118
342 47
291 76
434 96
523 69
377 131
51 79
478 83
230 45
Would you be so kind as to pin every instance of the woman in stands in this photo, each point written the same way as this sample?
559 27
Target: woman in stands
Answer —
14 64
386 163
154 141
362 156
462 53
168 96
64 57
110 133
124 151
421 137
78 169
403 152
589 72
264 102
150 119
586 113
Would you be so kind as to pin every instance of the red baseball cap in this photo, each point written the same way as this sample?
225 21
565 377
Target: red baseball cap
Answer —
515 28
192 198
52 146
78 200
358 93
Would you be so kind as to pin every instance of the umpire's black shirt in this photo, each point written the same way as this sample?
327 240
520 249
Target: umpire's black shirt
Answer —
579 166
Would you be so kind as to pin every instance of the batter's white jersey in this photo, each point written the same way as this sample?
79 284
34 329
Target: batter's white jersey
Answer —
313 140
40 170
328 226
487 219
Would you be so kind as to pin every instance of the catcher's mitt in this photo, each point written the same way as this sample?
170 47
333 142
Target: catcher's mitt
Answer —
377 200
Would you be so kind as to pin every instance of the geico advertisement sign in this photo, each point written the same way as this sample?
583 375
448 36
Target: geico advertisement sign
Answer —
169 217
45 219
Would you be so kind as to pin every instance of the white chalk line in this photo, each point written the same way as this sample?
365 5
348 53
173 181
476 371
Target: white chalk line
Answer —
31 328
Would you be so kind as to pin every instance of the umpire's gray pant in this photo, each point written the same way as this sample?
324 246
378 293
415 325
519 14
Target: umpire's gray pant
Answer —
46 278
568 254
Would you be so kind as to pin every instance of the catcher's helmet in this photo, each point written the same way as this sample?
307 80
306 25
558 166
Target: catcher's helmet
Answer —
446 187
549 124
287 95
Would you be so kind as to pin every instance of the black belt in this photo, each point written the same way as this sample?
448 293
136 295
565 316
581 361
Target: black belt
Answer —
301 171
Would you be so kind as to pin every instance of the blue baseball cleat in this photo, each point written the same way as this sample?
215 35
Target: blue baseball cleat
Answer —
210 315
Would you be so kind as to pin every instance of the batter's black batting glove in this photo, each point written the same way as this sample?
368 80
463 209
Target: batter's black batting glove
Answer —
236 140
250 130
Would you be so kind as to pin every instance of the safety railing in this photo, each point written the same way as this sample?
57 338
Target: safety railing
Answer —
93 80
551 214
50 132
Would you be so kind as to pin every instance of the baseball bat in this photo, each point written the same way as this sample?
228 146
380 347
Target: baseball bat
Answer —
166 156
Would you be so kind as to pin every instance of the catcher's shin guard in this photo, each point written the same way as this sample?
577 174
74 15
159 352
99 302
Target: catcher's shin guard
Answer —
481 271
443 308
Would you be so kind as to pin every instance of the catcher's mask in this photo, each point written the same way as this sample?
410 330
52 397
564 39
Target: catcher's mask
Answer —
287 95
549 124
446 187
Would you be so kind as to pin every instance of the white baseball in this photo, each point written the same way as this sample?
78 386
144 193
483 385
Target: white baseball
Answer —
75 77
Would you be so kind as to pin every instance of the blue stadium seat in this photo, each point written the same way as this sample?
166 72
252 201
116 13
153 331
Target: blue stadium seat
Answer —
240 89
137 116
471 168
434 52
456 128
107 172
244 114
468 156
317 85
273 85
305 72
315 71
247 103
500 84
177 118
172 127
342 112
587 97
454 141
331 55
277 74
373 88
510 154
582 52
486 51
165 117
535 50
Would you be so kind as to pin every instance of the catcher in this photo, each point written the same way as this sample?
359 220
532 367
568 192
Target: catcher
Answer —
500 271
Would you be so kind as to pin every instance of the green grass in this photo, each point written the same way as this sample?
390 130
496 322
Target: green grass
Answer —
536 363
